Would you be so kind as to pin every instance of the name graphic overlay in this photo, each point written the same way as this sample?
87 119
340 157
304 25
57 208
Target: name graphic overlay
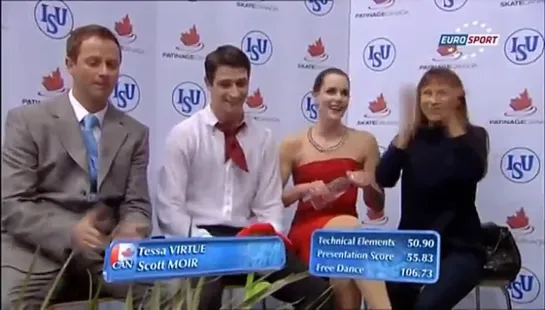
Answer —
158 259
409 256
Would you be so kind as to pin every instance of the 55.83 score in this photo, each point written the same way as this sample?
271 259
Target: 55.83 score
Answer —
420 258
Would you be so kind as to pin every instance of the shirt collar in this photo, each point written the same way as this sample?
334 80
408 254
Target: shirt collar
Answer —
211 119
81 112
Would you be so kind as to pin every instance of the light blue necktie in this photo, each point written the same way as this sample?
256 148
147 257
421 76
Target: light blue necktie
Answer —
89 123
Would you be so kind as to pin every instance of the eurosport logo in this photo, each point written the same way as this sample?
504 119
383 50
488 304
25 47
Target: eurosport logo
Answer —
379 54
126 94
319 7
525 288
258 47
524 46
520 165
450 5
188 98
54 18
309 107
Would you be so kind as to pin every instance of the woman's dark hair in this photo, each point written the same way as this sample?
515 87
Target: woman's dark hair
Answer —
446 76
319 80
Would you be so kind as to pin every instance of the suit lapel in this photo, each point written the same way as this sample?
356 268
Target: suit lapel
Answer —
68 130
112 137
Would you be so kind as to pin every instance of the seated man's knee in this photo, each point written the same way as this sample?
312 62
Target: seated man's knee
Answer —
29 295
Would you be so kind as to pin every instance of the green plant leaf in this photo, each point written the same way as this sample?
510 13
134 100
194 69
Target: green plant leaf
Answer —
197 294
129 300
90 278
94 303
249 283
256 289
56 282
178 297
155 298
324 300
188 293
19 305
249 303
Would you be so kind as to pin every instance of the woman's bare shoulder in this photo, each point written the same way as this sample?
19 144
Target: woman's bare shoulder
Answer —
364 136
292 144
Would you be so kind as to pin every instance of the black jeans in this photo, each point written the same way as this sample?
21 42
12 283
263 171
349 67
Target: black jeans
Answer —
459 273
307 293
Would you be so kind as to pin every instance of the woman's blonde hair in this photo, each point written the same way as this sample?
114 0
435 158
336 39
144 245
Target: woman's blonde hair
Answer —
446 76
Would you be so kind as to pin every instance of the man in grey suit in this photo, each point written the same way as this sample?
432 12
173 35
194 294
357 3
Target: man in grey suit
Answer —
74 175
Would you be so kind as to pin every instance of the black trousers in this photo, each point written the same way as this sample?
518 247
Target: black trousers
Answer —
308 293
460 273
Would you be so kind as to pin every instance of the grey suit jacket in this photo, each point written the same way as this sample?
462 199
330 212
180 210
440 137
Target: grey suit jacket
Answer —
45 180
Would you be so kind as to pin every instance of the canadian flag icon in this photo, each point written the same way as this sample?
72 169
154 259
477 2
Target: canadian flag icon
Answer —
122 252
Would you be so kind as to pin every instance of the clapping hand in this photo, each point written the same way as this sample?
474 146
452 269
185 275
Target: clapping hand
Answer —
317 189
360 178
88 234
131 230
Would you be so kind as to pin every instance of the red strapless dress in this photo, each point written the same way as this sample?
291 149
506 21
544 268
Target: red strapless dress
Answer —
307 219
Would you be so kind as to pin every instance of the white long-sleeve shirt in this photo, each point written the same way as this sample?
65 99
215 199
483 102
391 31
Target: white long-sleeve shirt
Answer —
196 183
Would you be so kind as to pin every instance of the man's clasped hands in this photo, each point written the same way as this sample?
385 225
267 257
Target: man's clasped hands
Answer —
97 228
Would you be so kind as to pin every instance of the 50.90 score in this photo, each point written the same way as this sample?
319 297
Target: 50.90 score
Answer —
417 243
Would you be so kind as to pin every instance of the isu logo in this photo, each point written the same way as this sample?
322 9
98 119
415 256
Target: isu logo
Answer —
121 256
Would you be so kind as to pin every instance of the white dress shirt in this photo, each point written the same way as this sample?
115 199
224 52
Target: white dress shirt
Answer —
197 187
81 112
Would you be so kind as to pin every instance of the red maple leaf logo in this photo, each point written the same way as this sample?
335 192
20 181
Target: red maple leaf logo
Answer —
519 220
522 102
445 50
127 253
53 81
124 28
255 100
378 105
317 48
191 37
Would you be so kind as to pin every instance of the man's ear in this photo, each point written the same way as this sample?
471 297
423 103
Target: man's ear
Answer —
69 63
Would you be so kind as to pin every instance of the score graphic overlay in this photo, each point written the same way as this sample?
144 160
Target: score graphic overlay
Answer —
396 256
157 259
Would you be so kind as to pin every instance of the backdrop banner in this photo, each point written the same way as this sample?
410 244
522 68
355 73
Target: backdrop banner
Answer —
504 88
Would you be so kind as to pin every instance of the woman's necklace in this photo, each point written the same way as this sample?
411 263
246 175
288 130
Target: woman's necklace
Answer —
322 149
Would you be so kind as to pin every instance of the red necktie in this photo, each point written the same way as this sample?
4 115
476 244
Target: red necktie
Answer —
233 149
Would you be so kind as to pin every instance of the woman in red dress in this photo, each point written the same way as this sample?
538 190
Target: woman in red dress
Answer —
322 153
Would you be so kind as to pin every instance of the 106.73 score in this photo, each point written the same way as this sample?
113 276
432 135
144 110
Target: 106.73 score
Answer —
417 273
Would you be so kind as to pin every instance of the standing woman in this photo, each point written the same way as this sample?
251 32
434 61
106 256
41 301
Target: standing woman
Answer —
324 152
443 157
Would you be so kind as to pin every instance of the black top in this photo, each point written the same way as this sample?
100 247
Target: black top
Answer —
439 182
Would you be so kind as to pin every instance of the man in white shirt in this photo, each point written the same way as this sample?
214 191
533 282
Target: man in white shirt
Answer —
221 169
